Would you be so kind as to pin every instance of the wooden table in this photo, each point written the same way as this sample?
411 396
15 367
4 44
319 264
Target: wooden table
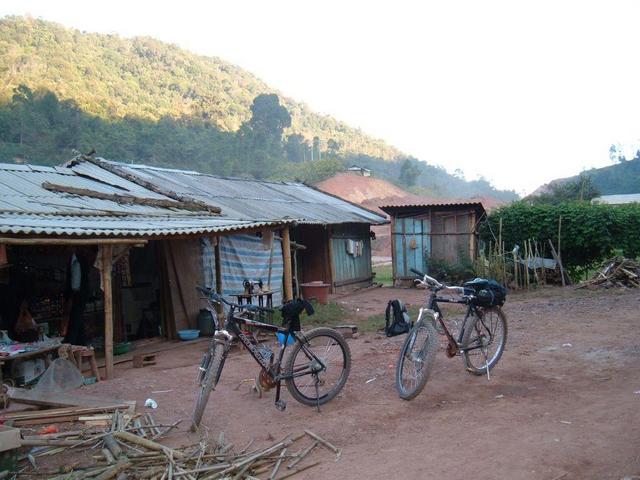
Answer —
42 351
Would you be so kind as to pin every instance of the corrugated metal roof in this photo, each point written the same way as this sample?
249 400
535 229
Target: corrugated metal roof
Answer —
120 226
250 200
453 203
26 207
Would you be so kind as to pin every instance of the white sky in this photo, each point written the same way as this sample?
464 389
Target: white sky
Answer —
520 92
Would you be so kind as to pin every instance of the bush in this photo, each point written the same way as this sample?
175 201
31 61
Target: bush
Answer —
450 272
590 233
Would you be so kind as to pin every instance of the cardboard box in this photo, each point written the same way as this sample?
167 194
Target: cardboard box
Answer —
9 438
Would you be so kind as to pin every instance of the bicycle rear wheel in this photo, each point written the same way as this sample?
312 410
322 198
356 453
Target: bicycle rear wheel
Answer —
416 360
211 377
328 377
484 340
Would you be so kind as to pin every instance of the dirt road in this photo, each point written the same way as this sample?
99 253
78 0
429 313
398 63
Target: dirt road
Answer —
564 401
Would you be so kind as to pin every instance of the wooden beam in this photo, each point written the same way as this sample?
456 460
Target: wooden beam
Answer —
148 185
394 273
71 241
183 204
107 257
286 257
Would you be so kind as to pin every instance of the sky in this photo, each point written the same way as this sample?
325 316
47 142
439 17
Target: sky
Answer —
517 92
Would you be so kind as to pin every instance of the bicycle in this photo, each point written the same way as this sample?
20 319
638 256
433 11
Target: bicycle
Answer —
315 372
480 341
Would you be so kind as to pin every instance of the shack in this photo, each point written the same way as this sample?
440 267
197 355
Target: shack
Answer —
331 239
432 232
139 252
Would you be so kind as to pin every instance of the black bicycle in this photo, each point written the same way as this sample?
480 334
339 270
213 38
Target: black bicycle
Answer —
315 371
480 341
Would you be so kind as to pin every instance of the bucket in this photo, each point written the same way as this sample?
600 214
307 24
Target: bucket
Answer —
317 291
206 322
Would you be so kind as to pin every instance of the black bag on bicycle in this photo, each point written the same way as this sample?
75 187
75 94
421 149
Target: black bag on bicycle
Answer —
400 323
488 293
291 313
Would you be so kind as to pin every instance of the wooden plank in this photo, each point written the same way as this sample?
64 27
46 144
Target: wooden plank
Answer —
51 399
53 413
107 257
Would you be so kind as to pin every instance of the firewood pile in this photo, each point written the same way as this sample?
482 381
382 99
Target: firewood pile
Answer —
129 449
107 439
617 272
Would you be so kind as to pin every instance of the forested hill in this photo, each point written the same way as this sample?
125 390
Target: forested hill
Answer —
115 78
141 100
621 178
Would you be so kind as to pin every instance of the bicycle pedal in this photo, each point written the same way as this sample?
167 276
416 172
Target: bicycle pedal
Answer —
281 405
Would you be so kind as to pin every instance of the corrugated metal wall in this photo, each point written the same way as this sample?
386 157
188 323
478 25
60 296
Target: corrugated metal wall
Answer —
348 266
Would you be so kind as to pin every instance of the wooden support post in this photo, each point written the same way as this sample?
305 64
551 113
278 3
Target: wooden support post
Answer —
330 263
107 256
286 257
472 237
216 250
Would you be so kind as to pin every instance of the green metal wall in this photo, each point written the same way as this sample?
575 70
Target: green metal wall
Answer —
346 266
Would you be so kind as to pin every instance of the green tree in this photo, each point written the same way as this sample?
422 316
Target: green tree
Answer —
409 173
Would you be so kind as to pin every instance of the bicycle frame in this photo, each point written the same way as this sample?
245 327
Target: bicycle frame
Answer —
454 345
232 330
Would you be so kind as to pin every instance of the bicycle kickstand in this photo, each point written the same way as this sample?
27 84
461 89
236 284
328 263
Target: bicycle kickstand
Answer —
280 404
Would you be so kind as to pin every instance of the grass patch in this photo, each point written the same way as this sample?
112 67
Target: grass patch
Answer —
384 274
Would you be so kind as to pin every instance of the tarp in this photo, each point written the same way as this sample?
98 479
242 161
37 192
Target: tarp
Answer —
245 257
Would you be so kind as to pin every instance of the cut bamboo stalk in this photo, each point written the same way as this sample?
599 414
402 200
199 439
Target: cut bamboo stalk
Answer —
303 454
148 444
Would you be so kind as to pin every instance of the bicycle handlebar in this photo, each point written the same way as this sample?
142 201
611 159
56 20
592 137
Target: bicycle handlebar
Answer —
426 279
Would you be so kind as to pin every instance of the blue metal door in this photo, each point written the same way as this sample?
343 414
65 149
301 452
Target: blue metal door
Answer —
412 245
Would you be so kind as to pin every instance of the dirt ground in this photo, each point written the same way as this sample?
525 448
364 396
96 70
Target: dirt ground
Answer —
564 401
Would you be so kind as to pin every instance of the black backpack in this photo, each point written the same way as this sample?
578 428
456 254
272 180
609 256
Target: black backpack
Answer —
400 323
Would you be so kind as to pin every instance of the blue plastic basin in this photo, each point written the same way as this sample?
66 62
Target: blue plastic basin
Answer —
188 334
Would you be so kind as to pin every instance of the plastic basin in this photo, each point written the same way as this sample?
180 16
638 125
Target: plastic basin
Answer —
188 334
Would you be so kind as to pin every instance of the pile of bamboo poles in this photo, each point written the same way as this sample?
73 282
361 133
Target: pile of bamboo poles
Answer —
129 449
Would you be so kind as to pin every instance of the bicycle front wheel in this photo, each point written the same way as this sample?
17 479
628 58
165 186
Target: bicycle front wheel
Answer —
484 339
211 377
416 360
318 366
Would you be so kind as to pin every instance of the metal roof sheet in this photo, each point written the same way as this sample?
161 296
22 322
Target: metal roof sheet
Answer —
255 200
26 207
124 226
453 203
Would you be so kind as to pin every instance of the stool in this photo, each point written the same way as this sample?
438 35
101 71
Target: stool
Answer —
80 353
144 359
